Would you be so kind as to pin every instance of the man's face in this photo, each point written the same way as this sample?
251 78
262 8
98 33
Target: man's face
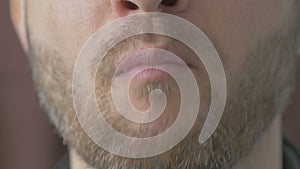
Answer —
256 41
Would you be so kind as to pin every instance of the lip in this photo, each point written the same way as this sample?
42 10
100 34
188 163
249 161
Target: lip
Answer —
146 64
147 74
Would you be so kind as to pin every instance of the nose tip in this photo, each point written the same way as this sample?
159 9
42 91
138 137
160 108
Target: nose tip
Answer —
129 5
147 5
126 7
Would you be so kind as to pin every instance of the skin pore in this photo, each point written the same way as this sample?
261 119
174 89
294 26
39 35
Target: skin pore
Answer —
257 44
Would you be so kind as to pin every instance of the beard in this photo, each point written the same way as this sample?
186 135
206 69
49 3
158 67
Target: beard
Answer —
256 93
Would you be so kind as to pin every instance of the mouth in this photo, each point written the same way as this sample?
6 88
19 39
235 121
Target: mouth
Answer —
150 64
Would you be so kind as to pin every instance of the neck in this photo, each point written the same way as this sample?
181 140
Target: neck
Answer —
76 162
265 154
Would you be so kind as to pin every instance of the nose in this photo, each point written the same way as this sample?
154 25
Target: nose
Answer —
126 7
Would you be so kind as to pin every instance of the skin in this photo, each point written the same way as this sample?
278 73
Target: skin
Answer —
256 41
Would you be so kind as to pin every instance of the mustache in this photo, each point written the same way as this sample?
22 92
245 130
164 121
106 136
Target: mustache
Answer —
117 54
138 42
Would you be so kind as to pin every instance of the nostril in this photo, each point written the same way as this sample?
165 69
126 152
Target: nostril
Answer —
169 2
129 5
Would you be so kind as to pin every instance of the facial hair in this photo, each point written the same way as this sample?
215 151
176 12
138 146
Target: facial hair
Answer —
260 90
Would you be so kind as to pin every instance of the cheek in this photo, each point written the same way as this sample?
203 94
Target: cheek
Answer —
234 27
72 22
83 13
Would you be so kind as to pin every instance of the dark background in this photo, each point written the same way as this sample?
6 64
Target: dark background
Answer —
27 140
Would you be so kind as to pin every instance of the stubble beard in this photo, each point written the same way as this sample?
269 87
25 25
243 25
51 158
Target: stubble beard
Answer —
261 89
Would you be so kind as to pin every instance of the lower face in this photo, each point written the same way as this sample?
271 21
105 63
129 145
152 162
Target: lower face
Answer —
259 67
